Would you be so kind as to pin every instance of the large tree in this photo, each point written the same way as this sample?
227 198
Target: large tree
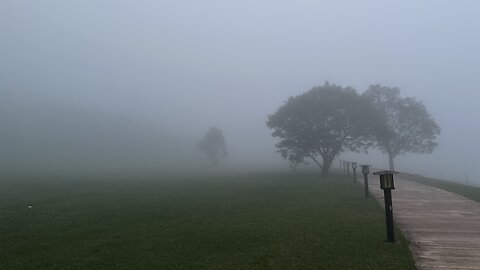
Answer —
404 123
213 144
322 122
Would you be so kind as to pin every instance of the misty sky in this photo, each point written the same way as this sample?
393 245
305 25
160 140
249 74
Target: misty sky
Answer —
184 66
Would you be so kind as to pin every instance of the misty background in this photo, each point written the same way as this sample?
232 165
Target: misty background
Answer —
136 84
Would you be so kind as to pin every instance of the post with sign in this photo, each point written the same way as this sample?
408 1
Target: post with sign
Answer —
365 172
386 184
354 167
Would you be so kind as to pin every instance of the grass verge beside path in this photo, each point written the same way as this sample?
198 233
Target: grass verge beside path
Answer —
464 190
257 221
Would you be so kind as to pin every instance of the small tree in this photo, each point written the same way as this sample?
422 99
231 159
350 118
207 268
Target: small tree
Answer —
404 123
294 156
321 122
213 144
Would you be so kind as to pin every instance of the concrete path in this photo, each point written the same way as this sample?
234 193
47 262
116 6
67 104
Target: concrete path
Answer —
443 227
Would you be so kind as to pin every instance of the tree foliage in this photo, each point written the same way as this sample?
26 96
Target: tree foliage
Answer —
322 122
404 123
213 144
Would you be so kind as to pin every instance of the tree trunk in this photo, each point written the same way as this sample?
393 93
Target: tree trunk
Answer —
316 161
390 161
325 170
327 162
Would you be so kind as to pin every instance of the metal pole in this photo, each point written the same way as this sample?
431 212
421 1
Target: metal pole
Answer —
355 175
389 215
365 183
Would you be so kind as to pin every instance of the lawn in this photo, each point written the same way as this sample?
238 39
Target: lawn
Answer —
464 190
248 221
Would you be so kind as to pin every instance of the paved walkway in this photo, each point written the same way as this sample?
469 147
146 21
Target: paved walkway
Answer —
443 227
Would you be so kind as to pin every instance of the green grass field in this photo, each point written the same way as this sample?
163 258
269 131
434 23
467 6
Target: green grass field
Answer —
464 190
250 221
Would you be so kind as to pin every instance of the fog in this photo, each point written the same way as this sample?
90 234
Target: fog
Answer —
136 84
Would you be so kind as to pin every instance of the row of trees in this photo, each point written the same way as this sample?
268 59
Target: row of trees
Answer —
330 119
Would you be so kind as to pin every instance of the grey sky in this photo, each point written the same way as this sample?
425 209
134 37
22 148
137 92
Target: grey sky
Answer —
186 65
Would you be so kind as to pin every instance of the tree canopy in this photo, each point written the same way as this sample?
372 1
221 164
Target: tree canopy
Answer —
404 123
213 144
322 122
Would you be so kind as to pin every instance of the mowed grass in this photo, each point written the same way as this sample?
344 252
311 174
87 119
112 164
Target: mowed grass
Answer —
464 190
251 221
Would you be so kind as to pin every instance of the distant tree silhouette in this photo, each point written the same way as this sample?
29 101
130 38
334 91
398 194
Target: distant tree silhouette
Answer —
213 144
322 122
294 159
403 124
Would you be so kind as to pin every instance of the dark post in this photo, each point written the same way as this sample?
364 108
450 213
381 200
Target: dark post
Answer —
354 167
365 172
344 169
386 183
348 168
389 215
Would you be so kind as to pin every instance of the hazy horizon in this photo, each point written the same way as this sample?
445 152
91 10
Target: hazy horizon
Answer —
172 69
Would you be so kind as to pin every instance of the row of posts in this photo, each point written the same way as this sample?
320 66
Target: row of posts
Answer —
365 172
386 184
